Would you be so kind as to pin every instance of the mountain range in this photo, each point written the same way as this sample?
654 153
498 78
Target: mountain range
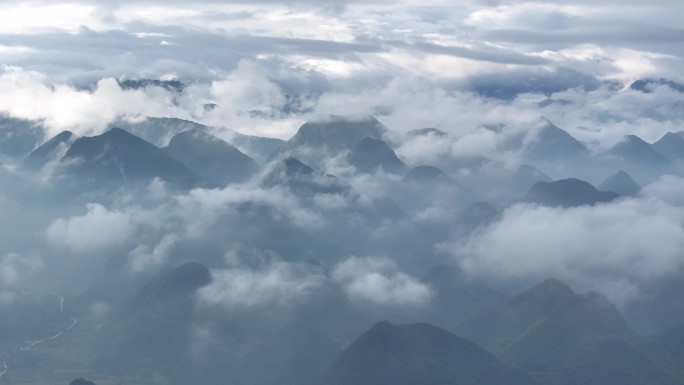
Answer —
568 193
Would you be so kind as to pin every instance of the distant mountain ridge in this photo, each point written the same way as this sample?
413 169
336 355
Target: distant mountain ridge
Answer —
621 183
52 150
120 157
565 338
671 145
389 354
211 157
570 192
371 154
552 144
136 84
647 85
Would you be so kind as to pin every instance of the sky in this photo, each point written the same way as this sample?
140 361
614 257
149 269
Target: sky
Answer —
270 65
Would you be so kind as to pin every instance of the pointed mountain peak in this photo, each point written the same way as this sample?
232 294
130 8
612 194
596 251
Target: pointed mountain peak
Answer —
671 145
211 157
634 139
548 142
195 133
427 174
381 327
673 135
418 354
371 154
295 167
52 150
119 156
338 132
117 131
622 174
621 183
63 136
634 149
547 293
368 143
544 122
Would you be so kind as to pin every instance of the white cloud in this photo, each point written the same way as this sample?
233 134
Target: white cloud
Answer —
669 188
82 111
98 229
276 283
13 268
31 18
143 257
378 281
202 207
620 244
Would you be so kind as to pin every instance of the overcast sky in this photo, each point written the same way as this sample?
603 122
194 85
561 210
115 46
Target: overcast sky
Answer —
341 56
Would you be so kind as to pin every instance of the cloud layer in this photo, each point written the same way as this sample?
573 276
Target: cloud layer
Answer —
612 248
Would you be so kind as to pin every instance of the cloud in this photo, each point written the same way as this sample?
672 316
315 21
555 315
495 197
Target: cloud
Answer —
275 283
667 188
201 207
626 243
377 281
97 230
82 111
13 268
143 257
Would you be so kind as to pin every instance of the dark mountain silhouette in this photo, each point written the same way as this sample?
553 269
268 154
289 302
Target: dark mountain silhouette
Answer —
671 145
81 381
427 174
553 144
152 331
510 184
423 354
336 133
457 296
301 178
159 132
648 85
633 149
427 132
479 213
638 158
567 193
184 279
522 179
370 154
136 84
294 168
620 183
211 158
120 157
491 327
565 338
425 185
52 150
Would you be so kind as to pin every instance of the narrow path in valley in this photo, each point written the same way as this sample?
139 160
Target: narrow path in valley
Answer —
4 368
30 344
